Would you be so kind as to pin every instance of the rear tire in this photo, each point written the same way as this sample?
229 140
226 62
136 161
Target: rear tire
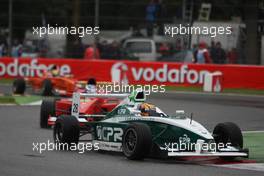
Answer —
66 130
137 141
47 108
47 88
228 132
19 86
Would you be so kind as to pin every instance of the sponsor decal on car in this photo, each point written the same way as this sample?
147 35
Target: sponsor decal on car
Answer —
107 133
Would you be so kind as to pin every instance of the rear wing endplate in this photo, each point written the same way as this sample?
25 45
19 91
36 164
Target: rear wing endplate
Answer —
76 98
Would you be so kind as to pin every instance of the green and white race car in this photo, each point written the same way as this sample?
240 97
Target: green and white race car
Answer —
139 129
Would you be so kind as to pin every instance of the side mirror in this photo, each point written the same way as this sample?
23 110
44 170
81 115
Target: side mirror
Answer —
179 112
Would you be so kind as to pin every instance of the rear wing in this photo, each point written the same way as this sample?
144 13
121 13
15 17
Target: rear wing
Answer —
76 98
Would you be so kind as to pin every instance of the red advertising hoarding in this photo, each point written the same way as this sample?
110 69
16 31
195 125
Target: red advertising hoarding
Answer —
134 72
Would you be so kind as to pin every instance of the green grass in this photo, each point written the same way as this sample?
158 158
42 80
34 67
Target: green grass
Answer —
7 100
6 81
255 143
199 89
26 99
244 91
18 99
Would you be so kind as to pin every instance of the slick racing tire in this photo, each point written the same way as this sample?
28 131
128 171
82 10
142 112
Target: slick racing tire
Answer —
66 130
137 141
47 88
228 132
19 86
47 109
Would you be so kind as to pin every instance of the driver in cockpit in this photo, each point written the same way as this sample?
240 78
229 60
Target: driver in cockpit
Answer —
91 86
148 109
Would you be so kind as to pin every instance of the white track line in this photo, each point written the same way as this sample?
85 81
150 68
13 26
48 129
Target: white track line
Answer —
8 104
245 166
35 103
258 131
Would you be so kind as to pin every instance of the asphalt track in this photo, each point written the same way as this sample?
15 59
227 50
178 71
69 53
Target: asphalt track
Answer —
19 128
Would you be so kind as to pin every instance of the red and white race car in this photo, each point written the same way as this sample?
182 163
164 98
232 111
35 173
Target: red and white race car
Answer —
51 84
91 108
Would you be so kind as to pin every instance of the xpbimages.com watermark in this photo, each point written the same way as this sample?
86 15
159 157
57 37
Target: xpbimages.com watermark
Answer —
81 31
212 31
125 88
183 146
81 147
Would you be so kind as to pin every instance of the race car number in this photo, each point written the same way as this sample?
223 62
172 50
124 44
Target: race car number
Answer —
75 108
75 105
121 111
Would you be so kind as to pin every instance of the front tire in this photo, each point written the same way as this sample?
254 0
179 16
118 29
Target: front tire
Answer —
228 132
137 141
47 108
19 86
66 130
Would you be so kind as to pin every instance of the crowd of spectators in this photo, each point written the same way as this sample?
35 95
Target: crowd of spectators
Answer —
23 49
202 53
16 49
214 54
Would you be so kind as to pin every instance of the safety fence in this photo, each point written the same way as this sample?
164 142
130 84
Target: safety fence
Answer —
135 72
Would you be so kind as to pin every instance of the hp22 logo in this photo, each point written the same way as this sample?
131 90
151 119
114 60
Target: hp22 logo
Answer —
105 133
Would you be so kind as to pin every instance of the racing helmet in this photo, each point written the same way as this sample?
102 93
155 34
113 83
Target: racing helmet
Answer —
54 71
91 86
147 109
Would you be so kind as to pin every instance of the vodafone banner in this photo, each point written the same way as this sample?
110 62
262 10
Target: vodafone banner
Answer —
133 72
